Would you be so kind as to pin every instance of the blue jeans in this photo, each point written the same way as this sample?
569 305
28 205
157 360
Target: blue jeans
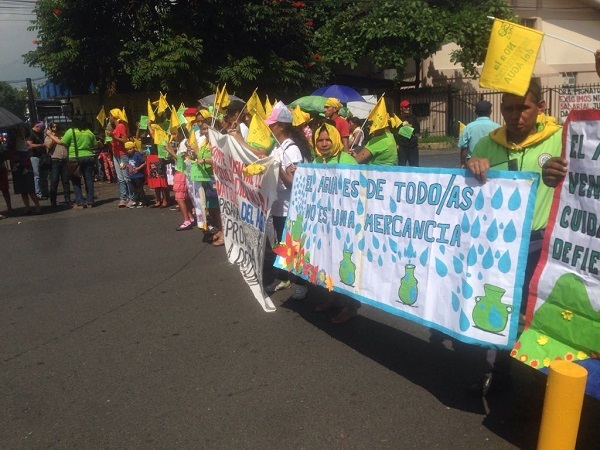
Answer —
59 169
87 170
126 191
40 178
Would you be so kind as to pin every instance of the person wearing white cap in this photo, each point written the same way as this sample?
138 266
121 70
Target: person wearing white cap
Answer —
292 148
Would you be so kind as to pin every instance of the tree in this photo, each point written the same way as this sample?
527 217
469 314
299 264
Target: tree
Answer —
13 99
184 45
390 32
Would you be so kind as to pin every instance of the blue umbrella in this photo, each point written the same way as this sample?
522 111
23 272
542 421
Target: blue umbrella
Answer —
344 94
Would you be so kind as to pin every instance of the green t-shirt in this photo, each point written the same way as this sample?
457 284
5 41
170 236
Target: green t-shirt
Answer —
86 141
530 159
383 149
341 158
204 153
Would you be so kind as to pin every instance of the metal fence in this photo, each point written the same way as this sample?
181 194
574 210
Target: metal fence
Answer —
441 109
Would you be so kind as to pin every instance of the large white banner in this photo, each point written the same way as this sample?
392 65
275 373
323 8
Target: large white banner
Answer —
563 312
430 245
245 202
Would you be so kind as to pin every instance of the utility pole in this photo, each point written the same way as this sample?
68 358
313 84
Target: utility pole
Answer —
31 102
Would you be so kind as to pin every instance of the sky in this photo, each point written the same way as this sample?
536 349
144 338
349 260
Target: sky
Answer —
15 40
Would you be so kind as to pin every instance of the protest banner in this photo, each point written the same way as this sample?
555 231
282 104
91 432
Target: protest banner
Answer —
510 57
571 99
430 245
245 201
563 310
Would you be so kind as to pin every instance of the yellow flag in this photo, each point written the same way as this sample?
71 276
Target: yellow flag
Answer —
162 103
299 117
259 134
510 57
174 121
124 115
222 100
461 128
192 142
101 117
151 115
268 107
160 135
254 106
395 121
378 115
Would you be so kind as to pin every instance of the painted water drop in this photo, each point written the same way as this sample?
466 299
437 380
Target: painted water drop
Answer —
380 261
370 255
467 289
410 251
363 180
458 264
361 244
479 201
338 233
455 302
480 249
492 232
443 249
424 257
463 322
360 209
504 263
393 245
375 242
393 258
510 233
319 244
476 228
441 267
465 226
497 199
488 259
472 256
393 205
357 228
514 202
480 276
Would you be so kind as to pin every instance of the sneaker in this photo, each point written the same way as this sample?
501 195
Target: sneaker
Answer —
139 205
300 292
130 204
277 285
122 203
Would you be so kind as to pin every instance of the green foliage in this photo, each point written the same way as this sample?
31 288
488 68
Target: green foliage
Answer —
13 99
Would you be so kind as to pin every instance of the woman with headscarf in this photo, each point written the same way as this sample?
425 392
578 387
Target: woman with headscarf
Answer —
330 150
331 110
120 135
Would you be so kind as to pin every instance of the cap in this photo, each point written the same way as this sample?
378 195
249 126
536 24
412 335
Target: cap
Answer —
282 115
129 145
404 104
189 112
483 107
334 102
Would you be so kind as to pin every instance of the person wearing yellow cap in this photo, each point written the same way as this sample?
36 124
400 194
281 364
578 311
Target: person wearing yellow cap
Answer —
120 135
332 108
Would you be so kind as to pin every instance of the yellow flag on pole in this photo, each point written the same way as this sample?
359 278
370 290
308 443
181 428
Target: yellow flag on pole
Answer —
510 57
223 99
378 116
101 117
192 141
160 135
259 134
174 121
255 106
299 117
150 114
395 121
162 103
268 107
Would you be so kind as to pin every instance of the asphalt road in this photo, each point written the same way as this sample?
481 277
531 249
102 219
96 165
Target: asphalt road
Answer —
116 331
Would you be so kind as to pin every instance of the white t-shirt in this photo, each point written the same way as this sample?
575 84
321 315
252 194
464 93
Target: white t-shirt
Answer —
288 153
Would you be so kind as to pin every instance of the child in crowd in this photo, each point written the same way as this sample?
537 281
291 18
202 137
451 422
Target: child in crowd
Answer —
182 197
137 164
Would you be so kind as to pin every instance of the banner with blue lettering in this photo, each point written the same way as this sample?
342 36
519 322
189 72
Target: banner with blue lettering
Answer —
429 245
563 311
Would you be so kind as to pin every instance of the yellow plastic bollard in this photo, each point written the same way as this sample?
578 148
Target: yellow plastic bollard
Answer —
562 406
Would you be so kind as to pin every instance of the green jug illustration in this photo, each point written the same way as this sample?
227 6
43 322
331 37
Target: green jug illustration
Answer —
347 269
408 291
490 314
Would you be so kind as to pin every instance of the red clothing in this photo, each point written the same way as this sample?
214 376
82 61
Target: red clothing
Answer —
118 147
342 126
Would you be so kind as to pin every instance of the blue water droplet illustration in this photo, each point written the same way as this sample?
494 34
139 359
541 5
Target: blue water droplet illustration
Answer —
462 257
393 205
314 230
472 256
347 238
360 209
307 244
319 244
514 202
476 228
314 196
480 249
465 226
393 258
497 199
361 244
492 232
375 242
380 261
480 276
370 255
393 245
357 228
504 263
384 248
440 267
458 265
463 322
467 288
479 201
338 233
455 302
510 233
410 252
443 249
424 257
488 259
